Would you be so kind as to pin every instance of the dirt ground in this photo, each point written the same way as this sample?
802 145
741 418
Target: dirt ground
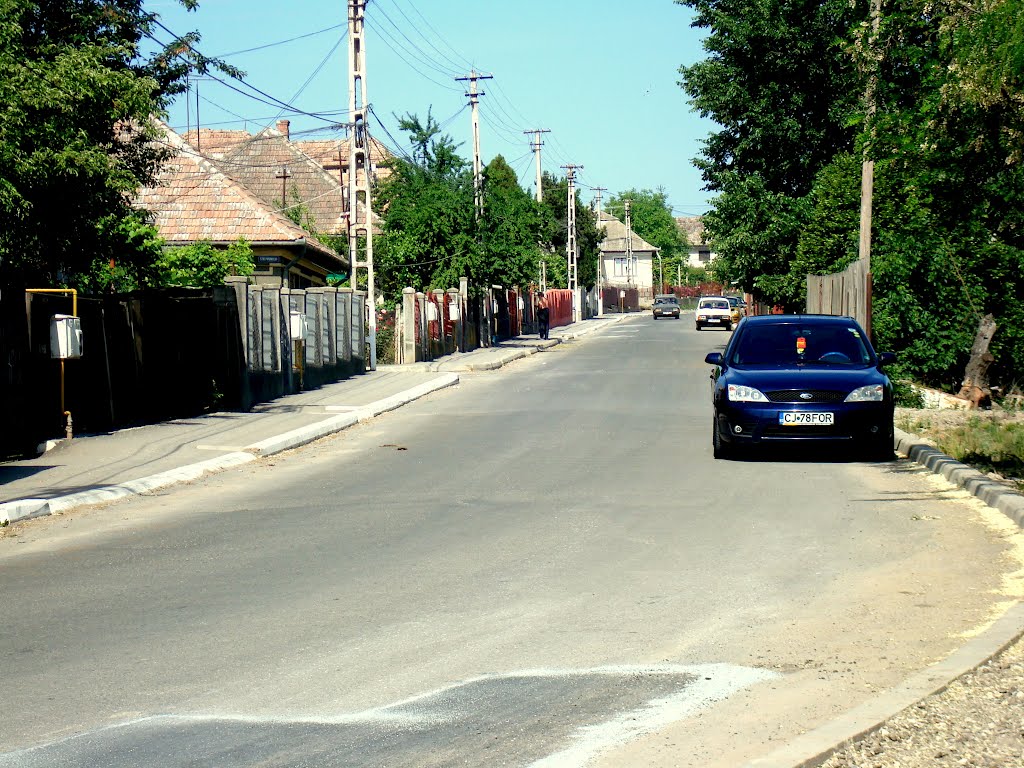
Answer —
979 720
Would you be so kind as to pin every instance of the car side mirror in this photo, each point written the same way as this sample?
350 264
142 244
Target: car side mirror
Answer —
885 358
713 358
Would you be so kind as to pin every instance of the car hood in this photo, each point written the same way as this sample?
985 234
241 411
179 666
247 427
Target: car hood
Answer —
806 377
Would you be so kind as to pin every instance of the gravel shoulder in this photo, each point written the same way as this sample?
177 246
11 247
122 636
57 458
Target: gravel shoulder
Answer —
978 720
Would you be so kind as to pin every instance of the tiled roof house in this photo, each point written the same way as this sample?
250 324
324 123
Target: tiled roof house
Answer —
692 228
196 199
299 175
613 256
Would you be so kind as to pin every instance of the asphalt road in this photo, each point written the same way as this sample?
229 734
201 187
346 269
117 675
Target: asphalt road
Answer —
541 567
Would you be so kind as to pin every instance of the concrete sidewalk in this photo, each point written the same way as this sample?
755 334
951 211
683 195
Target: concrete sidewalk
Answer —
100 468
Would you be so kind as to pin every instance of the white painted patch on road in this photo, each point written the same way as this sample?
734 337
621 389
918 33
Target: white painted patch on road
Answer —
715 683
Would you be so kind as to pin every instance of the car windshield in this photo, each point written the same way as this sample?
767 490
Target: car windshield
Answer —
786 344
714 304
666 300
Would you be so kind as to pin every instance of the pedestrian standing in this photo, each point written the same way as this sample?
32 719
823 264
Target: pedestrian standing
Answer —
543 316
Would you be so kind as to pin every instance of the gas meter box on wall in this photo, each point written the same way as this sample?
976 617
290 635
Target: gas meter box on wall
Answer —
65 337
299 326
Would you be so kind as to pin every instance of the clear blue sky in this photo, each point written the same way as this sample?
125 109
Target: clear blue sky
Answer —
600 74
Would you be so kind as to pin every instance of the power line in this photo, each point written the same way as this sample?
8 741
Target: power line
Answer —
458 65
390 42
276 101
424 57
284 42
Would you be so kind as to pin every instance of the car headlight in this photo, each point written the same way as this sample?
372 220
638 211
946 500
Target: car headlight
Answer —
873 393
741 394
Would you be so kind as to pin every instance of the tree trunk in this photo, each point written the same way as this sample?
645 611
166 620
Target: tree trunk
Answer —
975 384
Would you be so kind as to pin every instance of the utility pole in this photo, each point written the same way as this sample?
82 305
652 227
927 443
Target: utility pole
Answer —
474 103
360 225
571 247
629 246
283 175
600 256
867 181
535 145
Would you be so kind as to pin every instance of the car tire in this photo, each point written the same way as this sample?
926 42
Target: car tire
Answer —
728 326
698 326
719 448
655 317
879 448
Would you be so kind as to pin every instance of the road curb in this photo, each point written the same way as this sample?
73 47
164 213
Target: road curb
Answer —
978 484
815 747
25 509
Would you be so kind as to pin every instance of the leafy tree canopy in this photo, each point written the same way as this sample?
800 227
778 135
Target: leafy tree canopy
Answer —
555 234
75 133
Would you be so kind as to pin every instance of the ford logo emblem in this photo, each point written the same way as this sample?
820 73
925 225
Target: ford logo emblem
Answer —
806 396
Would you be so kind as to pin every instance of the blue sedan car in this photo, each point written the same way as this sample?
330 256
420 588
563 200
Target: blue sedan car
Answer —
801 379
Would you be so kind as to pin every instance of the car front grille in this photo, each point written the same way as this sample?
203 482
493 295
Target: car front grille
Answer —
798 396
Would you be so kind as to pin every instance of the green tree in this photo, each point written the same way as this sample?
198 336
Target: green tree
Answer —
76 135
510 228
779 81
429 237
203 265
555 234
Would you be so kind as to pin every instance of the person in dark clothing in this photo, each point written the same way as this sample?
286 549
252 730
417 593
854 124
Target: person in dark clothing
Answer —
543 316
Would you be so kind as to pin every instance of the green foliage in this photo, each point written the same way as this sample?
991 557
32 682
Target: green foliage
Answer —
203 265
429 234
431 237
947 140
75 135
555 234
510 228
779 82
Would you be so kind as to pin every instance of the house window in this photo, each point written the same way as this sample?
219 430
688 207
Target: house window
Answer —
703 255
620 267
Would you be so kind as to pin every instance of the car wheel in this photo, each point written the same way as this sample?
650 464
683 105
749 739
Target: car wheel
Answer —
698 326
879 448
655 317
728 326
720 448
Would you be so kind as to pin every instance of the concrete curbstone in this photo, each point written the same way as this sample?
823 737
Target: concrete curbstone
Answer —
397 401
108 493
303 435
23 509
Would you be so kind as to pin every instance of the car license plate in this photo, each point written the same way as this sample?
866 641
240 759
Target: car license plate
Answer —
803 419
712 319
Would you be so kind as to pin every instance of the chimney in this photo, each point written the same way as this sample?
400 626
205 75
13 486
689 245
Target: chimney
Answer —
282 128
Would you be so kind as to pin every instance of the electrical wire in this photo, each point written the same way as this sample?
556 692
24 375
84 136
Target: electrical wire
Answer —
274 101
389 41
285 42
457 65
424 57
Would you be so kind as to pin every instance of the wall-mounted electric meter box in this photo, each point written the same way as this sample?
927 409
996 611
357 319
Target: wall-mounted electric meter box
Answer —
65 337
